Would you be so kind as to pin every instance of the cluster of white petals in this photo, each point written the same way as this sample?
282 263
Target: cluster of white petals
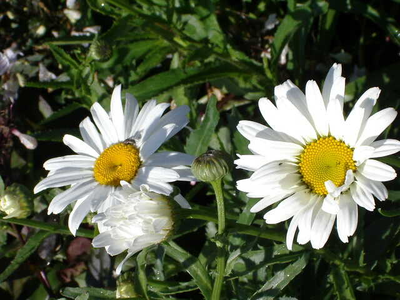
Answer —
297 120
139 219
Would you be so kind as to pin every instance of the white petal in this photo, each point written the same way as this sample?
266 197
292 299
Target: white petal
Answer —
99 194
377 171
151 123
291 92
182 201
347 217
333 84
303 130
69 161
81 209
316 107
270 113
385 147
104 124
177 117
250 129
131 112
292 230
330 205
275 149
362 197
63 178
91 136
155 141
335 118
78 191
157 173
376 188
355 122
321 229
306 220
169 159
273 197
117 114
274 170
251 162
143 114
376 124
287 208
362 153
79 146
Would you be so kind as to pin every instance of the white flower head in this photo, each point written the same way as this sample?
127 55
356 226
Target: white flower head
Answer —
139 219
320 165
119 146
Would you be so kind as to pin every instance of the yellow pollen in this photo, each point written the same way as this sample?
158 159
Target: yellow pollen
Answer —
118 162
323 160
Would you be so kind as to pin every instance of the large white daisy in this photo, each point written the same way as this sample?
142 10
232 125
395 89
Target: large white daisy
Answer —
123 150
139 219
320 165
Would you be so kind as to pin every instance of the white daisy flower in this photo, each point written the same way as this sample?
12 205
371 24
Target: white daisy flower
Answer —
321 166
139 219
123 150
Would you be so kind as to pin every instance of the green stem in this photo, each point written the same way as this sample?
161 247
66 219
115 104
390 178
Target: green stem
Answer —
54 228
220 240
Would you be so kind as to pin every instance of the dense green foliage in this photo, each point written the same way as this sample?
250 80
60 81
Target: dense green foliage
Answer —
219 52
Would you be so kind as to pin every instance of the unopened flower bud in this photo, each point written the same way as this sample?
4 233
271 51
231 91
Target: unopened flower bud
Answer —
100 50
16 202
211 166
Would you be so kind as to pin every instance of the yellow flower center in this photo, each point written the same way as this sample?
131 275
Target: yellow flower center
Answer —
323 160
118 162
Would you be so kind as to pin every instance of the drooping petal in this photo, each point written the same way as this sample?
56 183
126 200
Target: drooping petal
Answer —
376 188
81 209
347 217
362 196
321 229
63 178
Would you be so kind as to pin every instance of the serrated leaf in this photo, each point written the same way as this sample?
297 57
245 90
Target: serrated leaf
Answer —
193 267
281 279
200 138
93 292
64 58
62 112
23 253
140 274
55 135
151 60
172 288
342 284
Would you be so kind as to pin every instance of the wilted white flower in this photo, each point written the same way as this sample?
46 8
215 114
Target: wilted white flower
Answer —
45 108
271 22
139 219
124 150
44 74
319 164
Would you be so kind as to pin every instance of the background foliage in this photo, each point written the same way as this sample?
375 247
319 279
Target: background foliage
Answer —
219 57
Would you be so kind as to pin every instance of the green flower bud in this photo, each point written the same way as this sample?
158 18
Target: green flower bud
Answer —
16 202
100 50
211 166
126 286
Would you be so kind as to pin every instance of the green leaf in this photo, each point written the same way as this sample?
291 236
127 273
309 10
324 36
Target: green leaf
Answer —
2 186
51 85
389 213
51 228
287 29
93 292
71 40
394 195
192 265
171 288
342 284
140 274
64 58
281 279
62 112
24 252
246 217
165 81
151 60
55 135
200 138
